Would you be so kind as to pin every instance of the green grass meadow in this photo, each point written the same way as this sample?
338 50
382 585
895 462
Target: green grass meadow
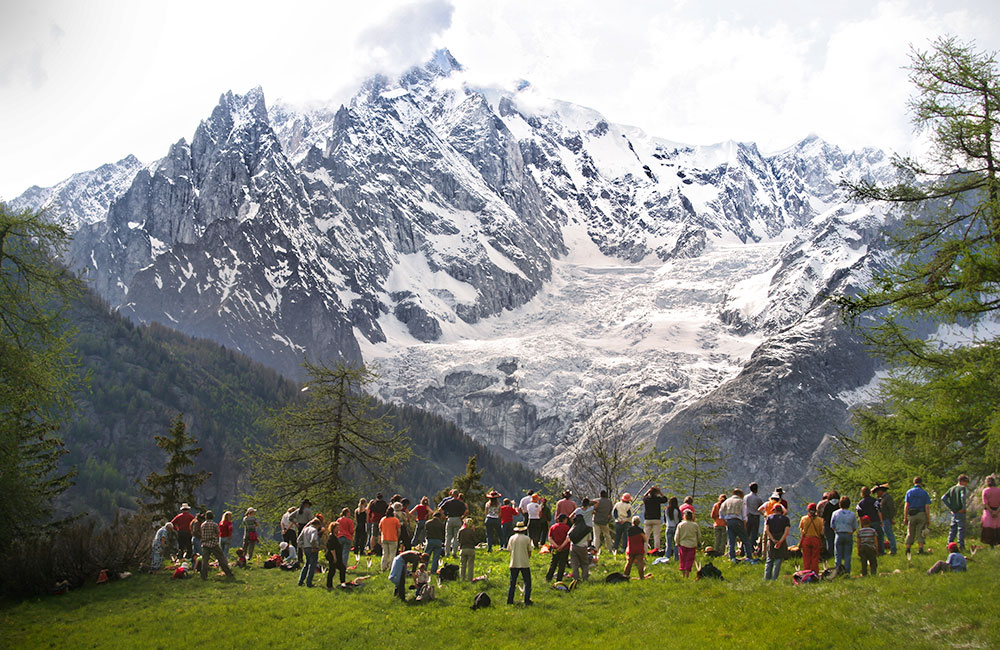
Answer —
266 607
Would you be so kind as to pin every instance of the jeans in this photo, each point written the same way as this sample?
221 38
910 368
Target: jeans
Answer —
492 532
196 544
753 527
345 549
506 530
671 549
621 536
843 546
400 590
889 535
525 573
772 565
434 549
957 530
880 535
418 534
736 530
225 543
557 565
451 529
311 559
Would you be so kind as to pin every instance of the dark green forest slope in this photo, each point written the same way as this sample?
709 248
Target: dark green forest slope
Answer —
141 376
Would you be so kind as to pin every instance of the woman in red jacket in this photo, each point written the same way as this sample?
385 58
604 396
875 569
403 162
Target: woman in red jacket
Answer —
226 532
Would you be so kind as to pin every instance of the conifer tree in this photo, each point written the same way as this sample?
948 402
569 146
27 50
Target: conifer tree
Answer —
177 484
939 410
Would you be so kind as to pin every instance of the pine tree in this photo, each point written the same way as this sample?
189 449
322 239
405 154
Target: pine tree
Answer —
939 410
167 491
329 448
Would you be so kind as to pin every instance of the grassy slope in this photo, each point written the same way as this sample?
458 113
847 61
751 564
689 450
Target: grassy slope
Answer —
265 606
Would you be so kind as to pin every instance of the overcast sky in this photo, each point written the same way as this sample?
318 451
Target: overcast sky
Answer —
84 83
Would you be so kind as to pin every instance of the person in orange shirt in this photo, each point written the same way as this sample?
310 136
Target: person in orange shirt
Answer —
719 526
389 528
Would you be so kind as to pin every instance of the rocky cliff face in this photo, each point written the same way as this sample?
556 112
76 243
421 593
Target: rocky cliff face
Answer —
509 261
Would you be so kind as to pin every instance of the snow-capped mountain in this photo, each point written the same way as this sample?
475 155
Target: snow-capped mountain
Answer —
515 263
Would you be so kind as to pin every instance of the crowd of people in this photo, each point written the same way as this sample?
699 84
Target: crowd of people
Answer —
412 541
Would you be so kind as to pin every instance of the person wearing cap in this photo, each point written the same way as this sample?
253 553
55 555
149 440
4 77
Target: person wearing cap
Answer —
955 500
955 562
887 508
249 532
776 529
731 511
652 509
811 538
566 505
288 553
622 512
182 524
916 515
389 528
519 546
492 519
867 551
559 548
868 507
844 523
210 547
602 522
753 502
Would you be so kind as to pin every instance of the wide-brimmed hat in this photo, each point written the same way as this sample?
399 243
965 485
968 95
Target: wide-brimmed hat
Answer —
776 497
185 506
626 497
520 527
493 494
883 486
779 490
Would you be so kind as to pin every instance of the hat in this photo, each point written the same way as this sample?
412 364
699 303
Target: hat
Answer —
883 486
397 506
283 545
493 494
780 509
776 496
953 547
185 506
567 494
866 519
779 490
626 497
520 527
811 506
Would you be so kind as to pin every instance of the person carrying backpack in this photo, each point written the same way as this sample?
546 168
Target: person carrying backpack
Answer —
955 499
579 558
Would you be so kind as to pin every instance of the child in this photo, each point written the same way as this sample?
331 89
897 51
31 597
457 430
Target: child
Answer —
241 558
955 562
868 547
636 548
422 581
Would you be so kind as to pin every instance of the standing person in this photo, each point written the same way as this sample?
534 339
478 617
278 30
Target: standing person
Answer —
360 526
686 537
991 513
467 550
566 505
812 538
535 519
182 524
226 533
672 518
507 512
546 516
196 532
335 552
832 505
753 503
303 515
421 512
161 545
955 499
397 572
887 507
522 507
718 527
867 541
308 543
492 519
916 515
636 549
688 505
602 522
653 524
623 519
389 528
731 511
844 523
434 545
586 510
210 545
776 529
249 532
289 530
868 507
408 524
519 546
579 558
376 510
455 509
559 548
345 535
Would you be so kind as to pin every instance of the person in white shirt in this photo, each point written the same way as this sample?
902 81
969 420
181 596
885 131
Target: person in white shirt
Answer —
522 507
308 541
535 525
622 513
519 546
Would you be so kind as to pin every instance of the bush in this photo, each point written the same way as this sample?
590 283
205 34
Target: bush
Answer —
76 553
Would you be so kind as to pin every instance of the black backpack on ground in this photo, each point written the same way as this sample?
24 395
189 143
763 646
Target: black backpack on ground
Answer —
709 571
615 578
480 600
449 572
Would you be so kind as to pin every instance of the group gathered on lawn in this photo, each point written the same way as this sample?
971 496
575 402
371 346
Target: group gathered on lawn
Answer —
410 542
